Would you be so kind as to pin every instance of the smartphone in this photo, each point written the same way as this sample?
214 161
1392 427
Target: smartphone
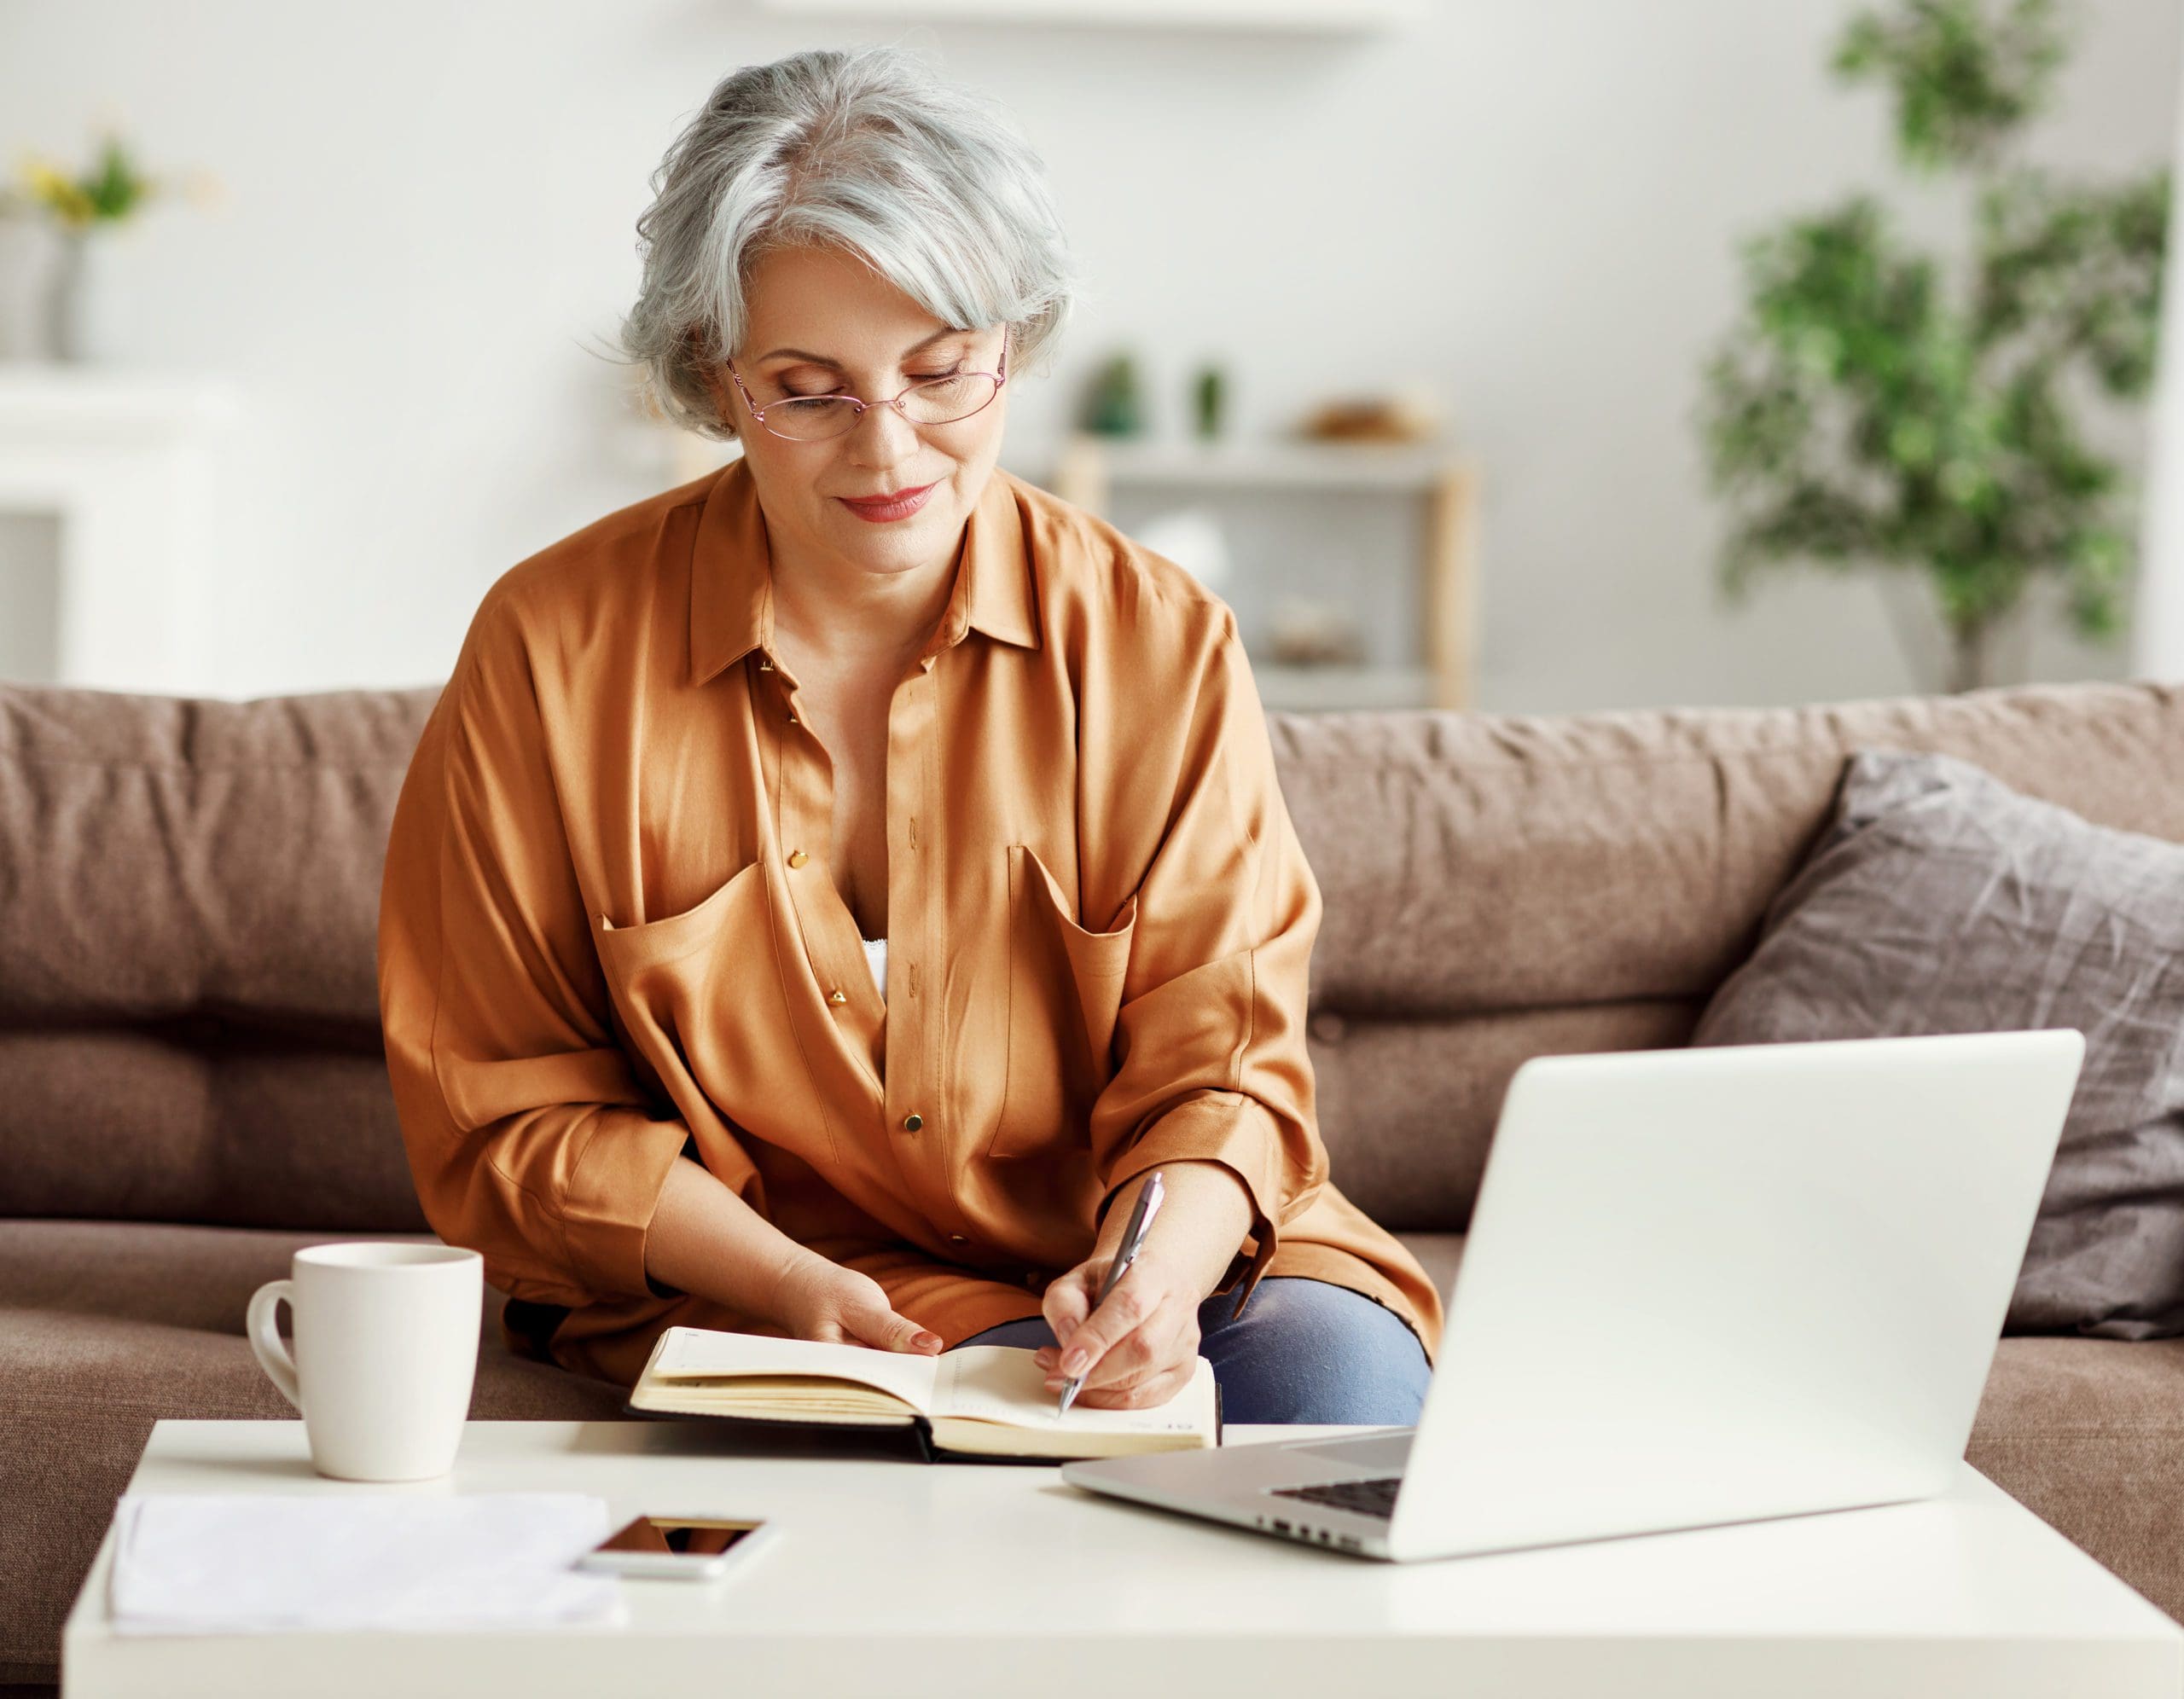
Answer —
684 1548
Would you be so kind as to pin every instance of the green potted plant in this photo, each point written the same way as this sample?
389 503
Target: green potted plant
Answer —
1870 411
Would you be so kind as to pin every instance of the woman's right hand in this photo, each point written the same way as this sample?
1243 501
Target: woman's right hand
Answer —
819 1299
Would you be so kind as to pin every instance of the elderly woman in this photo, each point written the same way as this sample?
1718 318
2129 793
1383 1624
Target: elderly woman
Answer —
825 892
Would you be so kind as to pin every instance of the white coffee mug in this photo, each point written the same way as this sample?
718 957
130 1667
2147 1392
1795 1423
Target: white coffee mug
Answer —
386 1349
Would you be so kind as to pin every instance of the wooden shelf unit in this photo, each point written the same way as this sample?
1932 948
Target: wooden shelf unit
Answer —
1087 468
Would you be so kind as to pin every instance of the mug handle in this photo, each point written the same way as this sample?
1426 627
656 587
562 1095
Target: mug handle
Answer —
263 1325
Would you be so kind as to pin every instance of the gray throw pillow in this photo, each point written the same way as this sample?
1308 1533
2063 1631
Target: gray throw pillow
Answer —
1942 901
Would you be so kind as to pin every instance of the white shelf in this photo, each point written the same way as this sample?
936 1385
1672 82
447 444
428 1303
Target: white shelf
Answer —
1328 689
1272 462
109 402
122 458
1089 469
1315 17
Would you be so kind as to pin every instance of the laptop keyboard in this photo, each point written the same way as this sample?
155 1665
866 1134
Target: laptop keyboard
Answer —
1373 1498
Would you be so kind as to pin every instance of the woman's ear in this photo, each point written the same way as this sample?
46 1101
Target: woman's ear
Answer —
719 390
713 375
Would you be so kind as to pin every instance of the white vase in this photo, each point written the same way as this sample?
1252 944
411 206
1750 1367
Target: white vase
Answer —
83 308
30 249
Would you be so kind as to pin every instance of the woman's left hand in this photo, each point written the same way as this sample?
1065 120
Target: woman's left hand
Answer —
1141 1347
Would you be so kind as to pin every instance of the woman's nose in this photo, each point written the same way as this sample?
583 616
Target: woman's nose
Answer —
884 432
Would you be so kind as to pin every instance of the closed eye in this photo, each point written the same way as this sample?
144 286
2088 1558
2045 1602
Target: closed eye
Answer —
915 377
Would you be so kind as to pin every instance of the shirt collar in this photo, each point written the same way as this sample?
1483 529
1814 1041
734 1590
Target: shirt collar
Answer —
731 574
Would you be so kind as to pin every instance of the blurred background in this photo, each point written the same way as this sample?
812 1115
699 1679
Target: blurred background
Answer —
1474 350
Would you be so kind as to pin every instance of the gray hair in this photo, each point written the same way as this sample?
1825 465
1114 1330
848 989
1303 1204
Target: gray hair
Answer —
933 185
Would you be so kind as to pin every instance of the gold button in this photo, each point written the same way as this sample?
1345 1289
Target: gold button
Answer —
797 858
836 997
791 719
957 1238
912 1122
765 666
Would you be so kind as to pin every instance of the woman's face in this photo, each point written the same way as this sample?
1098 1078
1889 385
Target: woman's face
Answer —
853 333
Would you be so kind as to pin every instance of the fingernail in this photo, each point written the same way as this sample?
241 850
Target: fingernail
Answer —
927 1340
1073 1364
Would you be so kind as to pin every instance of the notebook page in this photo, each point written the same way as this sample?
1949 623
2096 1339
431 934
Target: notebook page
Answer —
686 1351
1001 1384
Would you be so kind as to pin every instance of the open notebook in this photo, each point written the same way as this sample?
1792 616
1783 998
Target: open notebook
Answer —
984 1401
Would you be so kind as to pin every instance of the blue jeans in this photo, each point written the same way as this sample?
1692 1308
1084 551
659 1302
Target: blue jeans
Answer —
1303 1351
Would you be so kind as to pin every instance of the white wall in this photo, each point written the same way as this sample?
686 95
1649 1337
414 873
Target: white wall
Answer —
1530 206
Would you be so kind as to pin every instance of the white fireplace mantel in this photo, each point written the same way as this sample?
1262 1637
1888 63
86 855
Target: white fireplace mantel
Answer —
122 460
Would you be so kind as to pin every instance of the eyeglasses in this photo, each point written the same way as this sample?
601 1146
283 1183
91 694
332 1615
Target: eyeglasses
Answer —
938 400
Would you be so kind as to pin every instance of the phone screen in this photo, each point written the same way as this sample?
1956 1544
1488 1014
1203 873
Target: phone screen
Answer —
680 1536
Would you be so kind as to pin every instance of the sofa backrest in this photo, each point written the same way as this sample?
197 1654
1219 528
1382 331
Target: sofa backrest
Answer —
1501 887
189 1001
188 1016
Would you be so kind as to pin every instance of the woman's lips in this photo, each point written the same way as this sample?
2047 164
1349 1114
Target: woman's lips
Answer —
880 512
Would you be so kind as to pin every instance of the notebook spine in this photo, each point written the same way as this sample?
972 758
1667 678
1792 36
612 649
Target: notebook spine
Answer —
920 1430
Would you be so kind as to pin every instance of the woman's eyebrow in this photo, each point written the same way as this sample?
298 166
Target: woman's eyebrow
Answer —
823 360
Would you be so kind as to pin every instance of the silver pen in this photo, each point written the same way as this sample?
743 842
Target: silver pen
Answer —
1141 1217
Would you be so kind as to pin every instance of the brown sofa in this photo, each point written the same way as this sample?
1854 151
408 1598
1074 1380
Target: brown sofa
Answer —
191 1085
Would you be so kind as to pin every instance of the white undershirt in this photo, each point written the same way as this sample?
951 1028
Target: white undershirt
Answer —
875 954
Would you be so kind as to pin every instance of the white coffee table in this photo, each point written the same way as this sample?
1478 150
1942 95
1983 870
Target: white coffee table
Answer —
898 1578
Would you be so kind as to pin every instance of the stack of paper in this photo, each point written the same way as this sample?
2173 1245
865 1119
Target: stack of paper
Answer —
227 1563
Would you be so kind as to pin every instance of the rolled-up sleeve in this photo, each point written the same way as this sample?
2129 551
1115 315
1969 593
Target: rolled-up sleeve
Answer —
1212 1063
528 1134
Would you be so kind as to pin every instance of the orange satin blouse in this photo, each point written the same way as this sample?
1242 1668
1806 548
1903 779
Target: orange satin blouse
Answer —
609 935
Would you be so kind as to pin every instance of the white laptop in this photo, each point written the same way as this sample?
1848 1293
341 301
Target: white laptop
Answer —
1700 1286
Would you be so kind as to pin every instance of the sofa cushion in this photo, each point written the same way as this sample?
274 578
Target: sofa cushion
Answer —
1940 901
2089 1435
169 858
107 1326
252 1130
1440 1255
1406 1106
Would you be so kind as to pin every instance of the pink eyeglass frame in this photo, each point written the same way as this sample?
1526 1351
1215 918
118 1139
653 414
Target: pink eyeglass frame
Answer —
999 380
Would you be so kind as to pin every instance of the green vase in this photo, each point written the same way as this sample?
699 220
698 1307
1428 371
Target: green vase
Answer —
1115 406
1209 401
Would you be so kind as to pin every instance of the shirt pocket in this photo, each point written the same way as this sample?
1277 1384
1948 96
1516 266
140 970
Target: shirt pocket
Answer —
1065 993
698 999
